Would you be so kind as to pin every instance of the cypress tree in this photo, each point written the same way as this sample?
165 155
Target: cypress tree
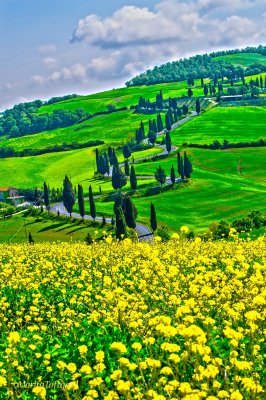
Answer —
69 198
110 154
102 165
160 175
133 178
261 82
205 90
198 108
138 136
121 230
103 221
36 197
126 167
159 123
46 196
31 241
168 142
97 159
107 171
154 126
142 130
187 166
172 175
202 82
129 213
114 159
112 222
168 121
185 109
81 202
126 151
180 167
118 178
153 218
190 92
159 100
92 204
152 137
118 201
171 118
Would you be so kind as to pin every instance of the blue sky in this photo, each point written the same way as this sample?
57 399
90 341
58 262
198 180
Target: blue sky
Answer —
56 47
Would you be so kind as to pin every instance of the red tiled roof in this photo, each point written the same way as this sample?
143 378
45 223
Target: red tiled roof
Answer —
4 189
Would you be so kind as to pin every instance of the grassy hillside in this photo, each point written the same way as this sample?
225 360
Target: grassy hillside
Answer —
29 172
46 230
216 190
243 59
116 128
236 124
123 97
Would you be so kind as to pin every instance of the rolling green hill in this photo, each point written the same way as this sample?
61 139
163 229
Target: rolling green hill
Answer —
115 128
218 189
235 124
243 59
44 229
123 97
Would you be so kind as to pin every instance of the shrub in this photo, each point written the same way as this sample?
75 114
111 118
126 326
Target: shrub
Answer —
163 233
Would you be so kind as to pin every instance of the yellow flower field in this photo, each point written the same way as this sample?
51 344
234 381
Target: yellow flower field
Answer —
176 320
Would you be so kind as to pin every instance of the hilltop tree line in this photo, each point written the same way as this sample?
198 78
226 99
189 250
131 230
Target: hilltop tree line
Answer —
146 106
24 119
199 66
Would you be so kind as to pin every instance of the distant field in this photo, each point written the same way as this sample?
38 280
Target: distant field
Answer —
124 97
243 59
236 124
216 190
116 128
45 230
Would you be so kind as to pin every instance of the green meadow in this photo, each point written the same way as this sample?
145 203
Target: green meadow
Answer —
31 172
123 97
216 191
114 129
243 59
17 228
235 124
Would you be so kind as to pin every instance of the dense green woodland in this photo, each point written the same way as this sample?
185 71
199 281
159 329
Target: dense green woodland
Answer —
200 66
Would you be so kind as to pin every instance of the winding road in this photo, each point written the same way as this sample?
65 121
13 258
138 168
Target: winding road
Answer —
143 231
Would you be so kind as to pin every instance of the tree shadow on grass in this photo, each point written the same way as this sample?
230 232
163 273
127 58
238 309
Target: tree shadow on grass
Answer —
32 223
54 226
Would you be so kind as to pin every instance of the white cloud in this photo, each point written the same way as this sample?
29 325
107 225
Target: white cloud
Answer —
133 38
129 25
77 73
38 79
50 62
